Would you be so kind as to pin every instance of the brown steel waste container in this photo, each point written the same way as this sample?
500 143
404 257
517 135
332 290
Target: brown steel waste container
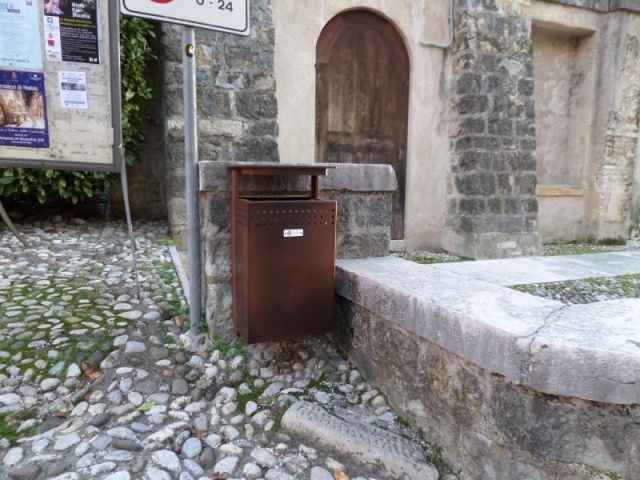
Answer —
283 251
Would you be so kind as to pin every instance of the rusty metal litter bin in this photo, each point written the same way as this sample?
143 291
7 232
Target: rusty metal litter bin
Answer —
283 250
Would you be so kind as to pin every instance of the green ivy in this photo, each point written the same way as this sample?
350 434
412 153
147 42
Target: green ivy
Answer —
136 37
136 50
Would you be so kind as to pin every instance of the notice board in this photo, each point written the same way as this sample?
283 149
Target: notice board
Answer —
60 85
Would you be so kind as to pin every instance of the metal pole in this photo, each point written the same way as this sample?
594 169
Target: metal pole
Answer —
191 171
127 210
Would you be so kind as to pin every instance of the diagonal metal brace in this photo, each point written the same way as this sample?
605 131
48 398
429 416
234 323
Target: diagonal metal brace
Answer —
12 227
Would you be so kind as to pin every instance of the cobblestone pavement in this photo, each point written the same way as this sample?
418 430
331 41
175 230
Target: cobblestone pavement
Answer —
97 384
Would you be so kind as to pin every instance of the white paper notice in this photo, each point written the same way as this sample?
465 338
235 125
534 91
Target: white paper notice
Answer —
73 89
20 35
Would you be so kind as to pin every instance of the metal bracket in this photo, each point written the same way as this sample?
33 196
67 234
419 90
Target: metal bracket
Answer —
12 227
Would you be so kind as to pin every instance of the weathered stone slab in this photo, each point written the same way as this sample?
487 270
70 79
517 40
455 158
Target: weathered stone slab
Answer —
585 351
598 5
378 451
487 427
591 351
479 321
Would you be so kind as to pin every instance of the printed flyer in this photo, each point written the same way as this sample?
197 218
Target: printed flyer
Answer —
20 38
23 110
71 31
73 89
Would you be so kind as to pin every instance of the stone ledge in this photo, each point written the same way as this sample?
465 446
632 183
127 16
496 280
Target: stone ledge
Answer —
538 343
590 351
602 5
378 178
597 5
214 176
559 191
631 5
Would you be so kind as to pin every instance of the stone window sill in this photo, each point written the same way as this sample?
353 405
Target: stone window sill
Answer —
559 191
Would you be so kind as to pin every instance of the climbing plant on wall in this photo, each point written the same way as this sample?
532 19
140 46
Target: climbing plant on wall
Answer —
136 50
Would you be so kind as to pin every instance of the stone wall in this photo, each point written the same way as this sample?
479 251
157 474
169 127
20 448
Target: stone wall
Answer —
478 183
616 174
363 194
487 427
509 385
492 208
587 119
237 110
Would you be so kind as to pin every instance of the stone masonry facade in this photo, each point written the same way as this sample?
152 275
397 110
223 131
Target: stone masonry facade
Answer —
617 176
492 209
489 428
492 184
237 110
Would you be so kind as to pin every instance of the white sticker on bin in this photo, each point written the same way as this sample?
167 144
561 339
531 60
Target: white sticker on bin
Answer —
296 232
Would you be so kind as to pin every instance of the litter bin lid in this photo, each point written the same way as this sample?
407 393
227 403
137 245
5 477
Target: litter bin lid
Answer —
271 168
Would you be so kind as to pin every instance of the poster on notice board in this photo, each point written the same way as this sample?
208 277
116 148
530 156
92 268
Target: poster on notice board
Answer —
71 31
23 110
20 35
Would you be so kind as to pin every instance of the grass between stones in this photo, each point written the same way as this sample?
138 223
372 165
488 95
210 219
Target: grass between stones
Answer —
48 326
627 286
426 260
587 246
431 257
599 473
624 286
52 319
169 298
10 423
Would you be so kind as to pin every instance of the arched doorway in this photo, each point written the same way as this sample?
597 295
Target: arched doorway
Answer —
362 97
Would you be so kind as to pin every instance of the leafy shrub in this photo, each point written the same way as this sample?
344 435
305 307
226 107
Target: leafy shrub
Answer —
136 50
47 185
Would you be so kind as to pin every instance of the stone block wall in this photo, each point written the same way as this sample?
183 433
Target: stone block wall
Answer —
237 110
363 194
492 207
617 177
587 118
491 172
488 427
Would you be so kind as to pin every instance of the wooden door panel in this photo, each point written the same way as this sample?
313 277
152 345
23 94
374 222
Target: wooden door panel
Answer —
362 97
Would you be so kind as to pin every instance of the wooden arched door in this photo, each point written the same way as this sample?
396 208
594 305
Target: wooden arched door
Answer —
362 97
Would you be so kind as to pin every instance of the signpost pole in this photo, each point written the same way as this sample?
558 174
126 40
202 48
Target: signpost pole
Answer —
191 171
230 16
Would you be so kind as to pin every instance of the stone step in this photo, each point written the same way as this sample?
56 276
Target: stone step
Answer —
380 453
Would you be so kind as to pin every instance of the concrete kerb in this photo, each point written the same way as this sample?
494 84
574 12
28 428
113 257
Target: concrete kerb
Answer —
539 343
176 258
